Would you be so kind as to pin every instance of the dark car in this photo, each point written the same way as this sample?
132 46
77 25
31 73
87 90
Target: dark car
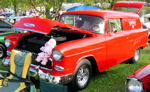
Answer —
5 29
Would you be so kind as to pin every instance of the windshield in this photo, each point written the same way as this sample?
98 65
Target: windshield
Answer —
86 22
126 9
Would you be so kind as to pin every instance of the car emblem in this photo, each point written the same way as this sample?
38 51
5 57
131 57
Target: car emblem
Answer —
29 25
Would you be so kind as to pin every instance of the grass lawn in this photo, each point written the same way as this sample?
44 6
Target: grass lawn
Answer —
113 79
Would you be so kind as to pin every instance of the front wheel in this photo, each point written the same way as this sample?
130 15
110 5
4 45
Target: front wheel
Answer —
2 51
82 75
136 56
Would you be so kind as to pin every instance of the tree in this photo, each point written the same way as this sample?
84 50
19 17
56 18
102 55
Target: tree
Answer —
53 5
15 4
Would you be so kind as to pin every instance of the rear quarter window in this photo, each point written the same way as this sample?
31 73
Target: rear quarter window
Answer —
115 25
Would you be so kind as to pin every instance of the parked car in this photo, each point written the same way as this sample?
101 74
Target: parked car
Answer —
5 26
139 81
12 19
5 29
87 41
6 14
146 22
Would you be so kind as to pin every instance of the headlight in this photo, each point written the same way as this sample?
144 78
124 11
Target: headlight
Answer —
134 85
7 43
57 55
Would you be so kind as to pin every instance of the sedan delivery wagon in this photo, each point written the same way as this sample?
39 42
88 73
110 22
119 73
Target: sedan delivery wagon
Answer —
86 42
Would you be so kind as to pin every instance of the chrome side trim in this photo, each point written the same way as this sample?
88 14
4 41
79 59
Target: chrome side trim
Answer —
41 67
28 30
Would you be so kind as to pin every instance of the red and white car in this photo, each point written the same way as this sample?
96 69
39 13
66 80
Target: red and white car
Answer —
139 81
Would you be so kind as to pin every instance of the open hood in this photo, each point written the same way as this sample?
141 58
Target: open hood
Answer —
128 6
44 26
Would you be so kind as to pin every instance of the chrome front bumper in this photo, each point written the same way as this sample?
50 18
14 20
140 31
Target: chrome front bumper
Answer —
44 76
50 78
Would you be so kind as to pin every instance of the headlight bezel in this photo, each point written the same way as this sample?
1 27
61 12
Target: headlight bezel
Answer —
7 43
140 87
57 55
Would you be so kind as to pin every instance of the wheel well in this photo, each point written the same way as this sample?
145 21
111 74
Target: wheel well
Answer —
141 48
93 63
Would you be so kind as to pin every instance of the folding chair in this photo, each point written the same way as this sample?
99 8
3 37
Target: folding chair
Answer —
17 80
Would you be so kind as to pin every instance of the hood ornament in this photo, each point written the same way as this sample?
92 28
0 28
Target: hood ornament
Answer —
29 25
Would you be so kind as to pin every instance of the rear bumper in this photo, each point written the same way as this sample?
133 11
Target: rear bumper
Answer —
50 78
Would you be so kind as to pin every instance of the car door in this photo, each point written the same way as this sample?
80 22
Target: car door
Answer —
116 43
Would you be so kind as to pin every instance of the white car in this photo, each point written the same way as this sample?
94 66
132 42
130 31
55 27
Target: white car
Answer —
146 22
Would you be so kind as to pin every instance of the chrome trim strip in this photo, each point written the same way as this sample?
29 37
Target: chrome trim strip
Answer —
59 68
46 68
102 47
28 30
41 67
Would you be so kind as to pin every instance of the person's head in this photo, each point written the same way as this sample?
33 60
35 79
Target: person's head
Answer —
96 28
86 22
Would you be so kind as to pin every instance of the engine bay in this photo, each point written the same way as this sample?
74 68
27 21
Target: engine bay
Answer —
34 41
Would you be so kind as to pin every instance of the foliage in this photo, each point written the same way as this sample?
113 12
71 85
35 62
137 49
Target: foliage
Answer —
54 5
16 4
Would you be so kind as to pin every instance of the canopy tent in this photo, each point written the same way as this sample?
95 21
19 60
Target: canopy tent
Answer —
83 7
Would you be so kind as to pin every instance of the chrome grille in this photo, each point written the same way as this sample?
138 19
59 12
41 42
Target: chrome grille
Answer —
34 55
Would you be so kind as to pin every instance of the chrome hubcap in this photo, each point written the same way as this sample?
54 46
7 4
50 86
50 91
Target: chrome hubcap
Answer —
137 55
1 52
83 76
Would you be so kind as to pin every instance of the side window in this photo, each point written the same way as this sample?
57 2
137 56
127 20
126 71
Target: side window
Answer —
69 20
114 25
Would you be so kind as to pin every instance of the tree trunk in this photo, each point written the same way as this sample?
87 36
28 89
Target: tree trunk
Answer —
15 8
47 13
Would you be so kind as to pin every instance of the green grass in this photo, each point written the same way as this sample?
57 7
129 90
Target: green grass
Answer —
3 67
113 79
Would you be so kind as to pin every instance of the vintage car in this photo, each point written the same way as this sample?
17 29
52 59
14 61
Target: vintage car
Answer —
5 29
139 81
87 41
